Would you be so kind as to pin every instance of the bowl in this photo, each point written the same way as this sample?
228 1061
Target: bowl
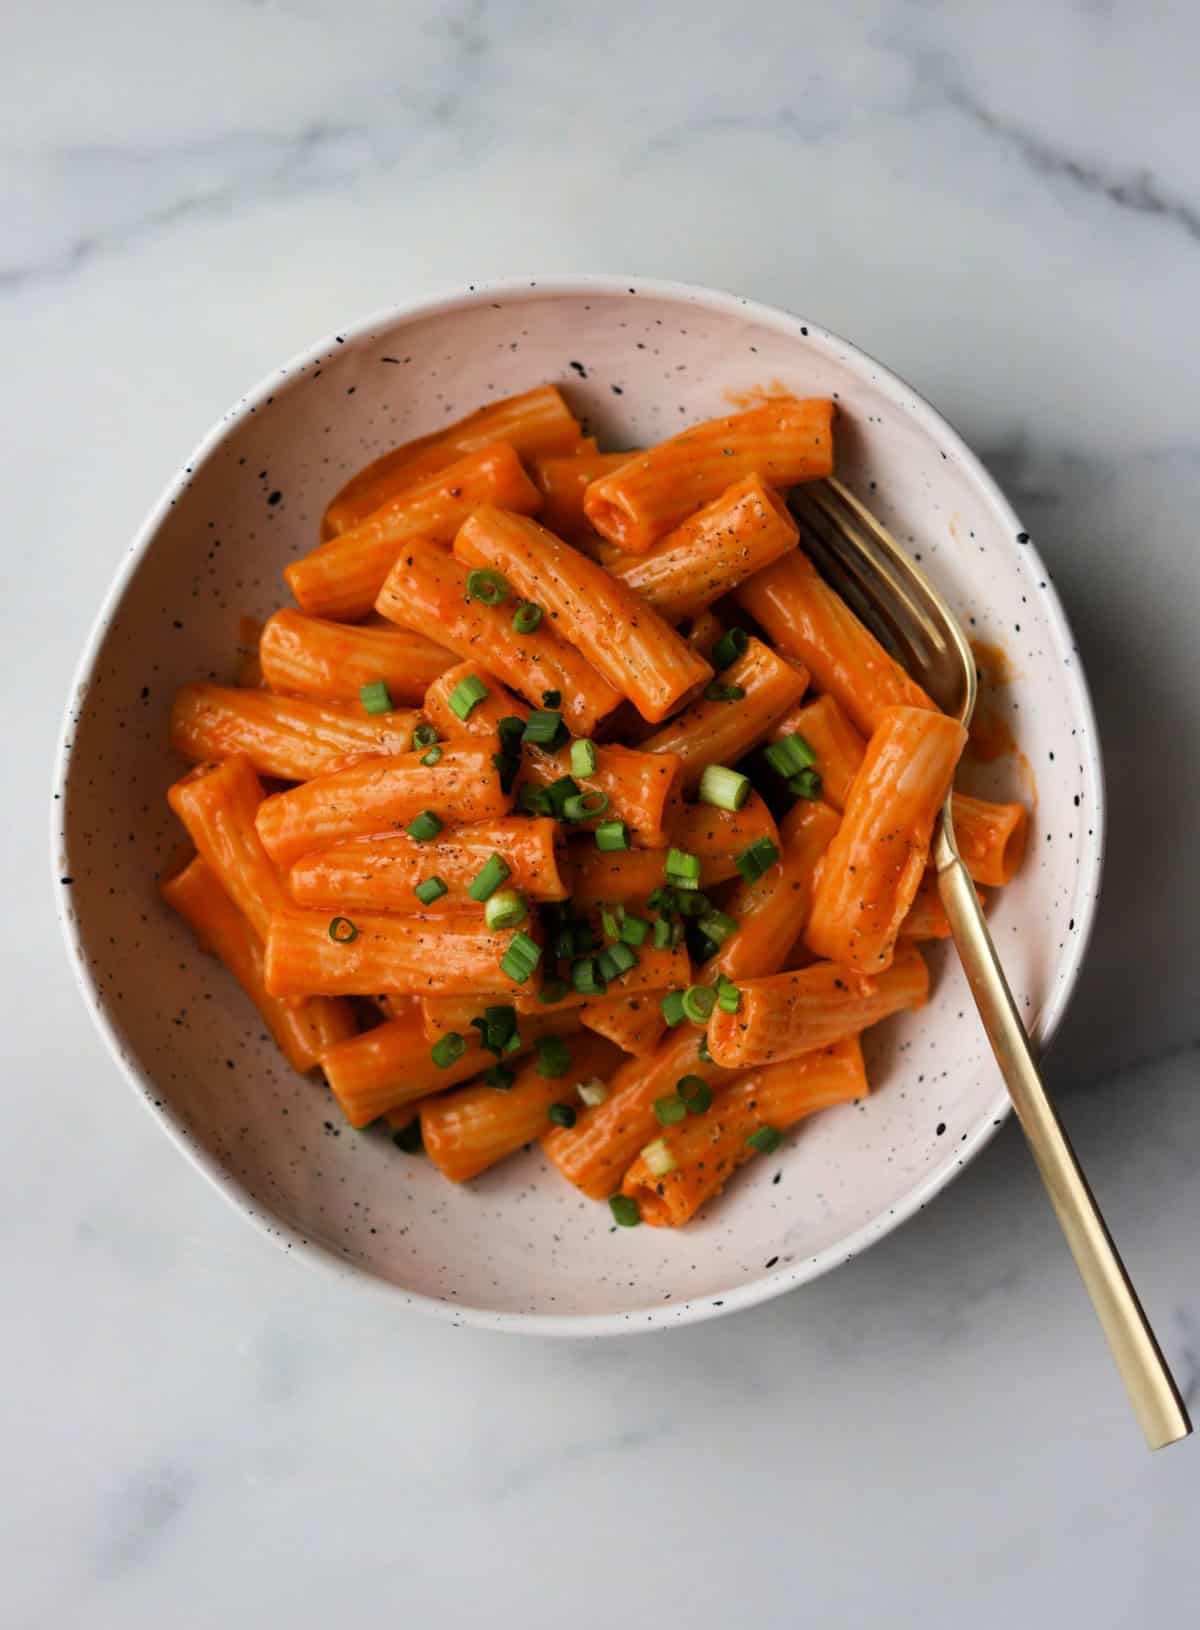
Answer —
519 1248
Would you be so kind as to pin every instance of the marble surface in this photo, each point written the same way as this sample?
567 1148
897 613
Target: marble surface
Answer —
1001 202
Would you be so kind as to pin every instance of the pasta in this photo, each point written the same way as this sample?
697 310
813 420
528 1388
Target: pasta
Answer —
303 1031
783 441
786 1014
623 638
741 531
467 1131
703 1151
311 656
428 589
342 578
292 738
537 422
876 859
552 849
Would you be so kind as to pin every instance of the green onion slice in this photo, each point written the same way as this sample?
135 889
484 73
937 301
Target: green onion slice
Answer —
583 758
522 957
447 1049
698 1003
717 692
553 1056
612 835
625 1211
489 587
584 806
758 859
494 871
723 788
505 909
766 1140
789 755
467 695
672 1008
343 931
430 889
669 1110
376 698
526 617
733 643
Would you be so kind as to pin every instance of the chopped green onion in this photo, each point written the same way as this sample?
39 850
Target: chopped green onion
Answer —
663 931
717 926
488 878
724 789
659 1158
500 1077
409 1138
489 587
583 758
447 1049
756 860
634 929
343 931
698 1003
425 735
661 899
716 692
612 835
498 1028
593 1091
682 869
702 1051
526 617
545 728
584 806
467 695
505 910
615 960
510 729
766 1140
670 1109
729 997
553 991
433 756
552 698
521 958
733 643
694 905
807 784
672 1008
553 1056
695 1092
625 1211
376 698
534 800
562 1114
789 755
585 978
430 889
558 793
506 765
610 921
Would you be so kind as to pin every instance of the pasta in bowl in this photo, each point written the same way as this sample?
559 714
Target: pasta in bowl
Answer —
568 824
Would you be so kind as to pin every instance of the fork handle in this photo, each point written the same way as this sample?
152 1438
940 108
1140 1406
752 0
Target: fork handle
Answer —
1152 1391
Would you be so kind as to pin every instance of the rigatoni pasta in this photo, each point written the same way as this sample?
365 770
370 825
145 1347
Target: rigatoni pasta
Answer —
554 849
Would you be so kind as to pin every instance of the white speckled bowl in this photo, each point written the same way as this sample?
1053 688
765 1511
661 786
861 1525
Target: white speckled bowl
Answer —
519 1249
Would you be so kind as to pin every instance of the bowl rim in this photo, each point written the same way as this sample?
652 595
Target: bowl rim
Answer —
767 1285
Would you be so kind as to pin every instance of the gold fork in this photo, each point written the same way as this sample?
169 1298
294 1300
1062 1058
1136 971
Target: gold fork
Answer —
860 558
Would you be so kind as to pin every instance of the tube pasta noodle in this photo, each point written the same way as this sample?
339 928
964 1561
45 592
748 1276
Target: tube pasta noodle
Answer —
467 1131
786 1014
811 624
311 656
876 859
343 577
428 589
623 638
741 531
382 872
784 441
303 1030
552 847
375 793
535 423
705 1150
720 731
291 738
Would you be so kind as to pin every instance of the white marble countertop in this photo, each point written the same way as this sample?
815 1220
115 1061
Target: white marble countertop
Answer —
1001 201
